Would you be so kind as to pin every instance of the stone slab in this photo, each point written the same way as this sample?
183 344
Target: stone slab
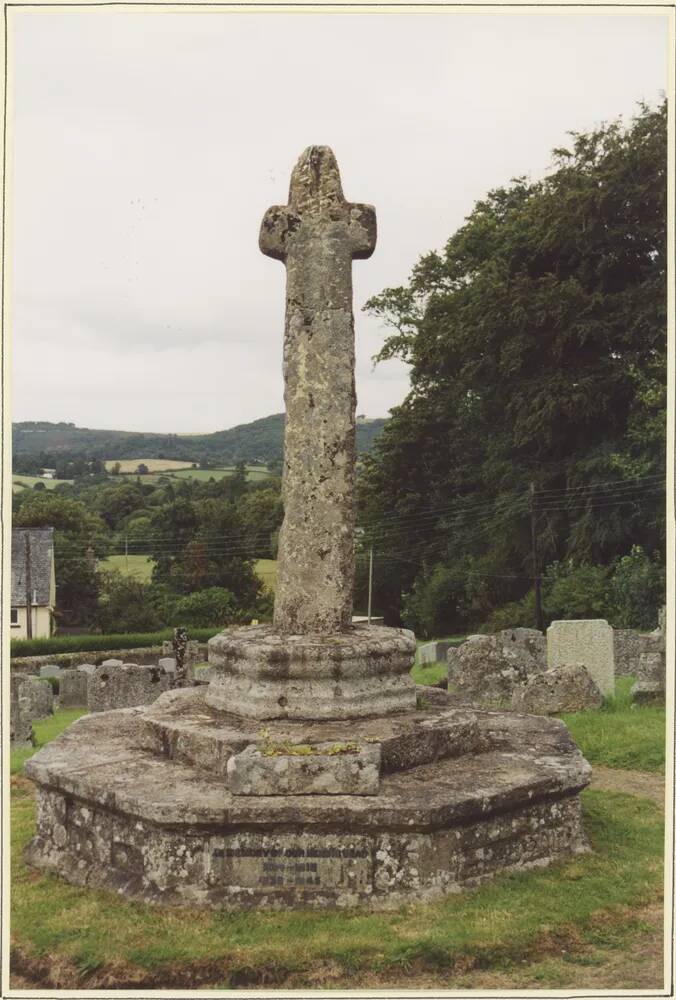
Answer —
324 771
588 642
183 726
112 813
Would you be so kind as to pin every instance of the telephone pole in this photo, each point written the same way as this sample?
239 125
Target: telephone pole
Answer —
370 582
539 617
29 587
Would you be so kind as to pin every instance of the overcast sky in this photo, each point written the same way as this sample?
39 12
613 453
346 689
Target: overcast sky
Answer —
147 147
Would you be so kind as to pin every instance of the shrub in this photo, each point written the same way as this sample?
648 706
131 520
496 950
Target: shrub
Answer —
637 590
518 614
215 604
571 591
103 642
126 604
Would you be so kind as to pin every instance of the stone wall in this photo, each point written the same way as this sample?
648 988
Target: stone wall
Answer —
143 654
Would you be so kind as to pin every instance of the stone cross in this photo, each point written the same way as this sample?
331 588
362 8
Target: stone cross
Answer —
317 235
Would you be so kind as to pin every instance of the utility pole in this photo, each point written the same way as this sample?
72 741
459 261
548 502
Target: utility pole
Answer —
539 617
370 582
29 588
126 554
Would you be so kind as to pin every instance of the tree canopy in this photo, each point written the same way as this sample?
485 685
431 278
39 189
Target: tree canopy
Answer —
537 345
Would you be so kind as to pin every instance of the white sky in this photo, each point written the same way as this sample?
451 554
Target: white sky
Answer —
147 147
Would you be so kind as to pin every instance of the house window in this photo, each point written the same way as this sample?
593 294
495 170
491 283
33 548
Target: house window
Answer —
14 617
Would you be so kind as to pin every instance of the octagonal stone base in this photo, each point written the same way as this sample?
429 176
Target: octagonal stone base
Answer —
261 674
138 800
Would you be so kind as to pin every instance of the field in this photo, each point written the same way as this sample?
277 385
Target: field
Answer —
28 482
266 570
593 922
141 568
153 464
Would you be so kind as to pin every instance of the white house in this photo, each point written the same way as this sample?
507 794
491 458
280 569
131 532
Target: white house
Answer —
33 583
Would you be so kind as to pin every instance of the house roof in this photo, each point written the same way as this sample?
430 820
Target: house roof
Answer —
40 542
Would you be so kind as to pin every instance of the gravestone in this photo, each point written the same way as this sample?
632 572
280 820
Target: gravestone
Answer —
73 685
50 670
350 793
562 689
588 642
628 646
30 699
434 652
487 670
125 685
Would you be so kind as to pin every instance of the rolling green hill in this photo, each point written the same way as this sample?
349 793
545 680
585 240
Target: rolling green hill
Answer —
257 442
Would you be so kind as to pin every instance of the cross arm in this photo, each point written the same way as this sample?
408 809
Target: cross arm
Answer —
363 230
278 223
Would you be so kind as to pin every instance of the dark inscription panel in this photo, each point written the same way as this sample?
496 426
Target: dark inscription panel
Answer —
258 861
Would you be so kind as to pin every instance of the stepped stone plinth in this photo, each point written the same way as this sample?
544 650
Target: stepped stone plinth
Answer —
309 771
363 671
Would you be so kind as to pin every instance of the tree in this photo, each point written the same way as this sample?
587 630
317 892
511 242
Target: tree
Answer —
76 529
126 604
537 346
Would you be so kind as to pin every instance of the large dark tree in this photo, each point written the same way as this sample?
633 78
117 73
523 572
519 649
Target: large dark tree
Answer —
537 346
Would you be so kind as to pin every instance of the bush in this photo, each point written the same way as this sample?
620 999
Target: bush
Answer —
437 603
571 591
637 590
105 643
518 614
126 604
215 604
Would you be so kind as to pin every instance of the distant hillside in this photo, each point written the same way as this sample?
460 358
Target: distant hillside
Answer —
259 441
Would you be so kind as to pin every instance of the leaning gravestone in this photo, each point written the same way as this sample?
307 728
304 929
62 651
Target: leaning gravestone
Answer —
586 641
125 686
305 774
73 685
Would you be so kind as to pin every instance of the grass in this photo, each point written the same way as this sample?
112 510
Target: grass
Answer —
503 922
45 730
621 734
139 567
586 902
266 570
28 482
128 465
429 673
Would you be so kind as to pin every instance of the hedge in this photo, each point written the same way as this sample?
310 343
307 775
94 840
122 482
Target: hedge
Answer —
83 643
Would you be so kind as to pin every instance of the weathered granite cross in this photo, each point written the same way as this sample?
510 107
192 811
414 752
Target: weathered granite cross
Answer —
317 235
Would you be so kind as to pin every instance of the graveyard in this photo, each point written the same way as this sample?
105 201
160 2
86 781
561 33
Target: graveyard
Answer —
301 812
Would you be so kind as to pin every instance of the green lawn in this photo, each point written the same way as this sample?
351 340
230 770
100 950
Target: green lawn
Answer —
621 734
140 567
266 570
45 730
28 482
